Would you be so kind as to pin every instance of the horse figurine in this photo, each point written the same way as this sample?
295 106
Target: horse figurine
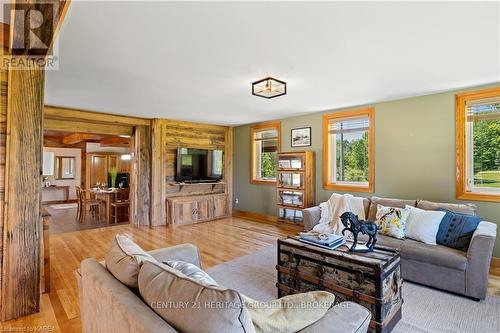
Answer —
355 226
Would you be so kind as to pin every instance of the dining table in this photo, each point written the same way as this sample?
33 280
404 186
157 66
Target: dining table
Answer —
107 195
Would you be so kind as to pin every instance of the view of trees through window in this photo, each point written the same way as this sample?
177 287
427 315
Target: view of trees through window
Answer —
486 145
265 148
268 165
352 158
351 150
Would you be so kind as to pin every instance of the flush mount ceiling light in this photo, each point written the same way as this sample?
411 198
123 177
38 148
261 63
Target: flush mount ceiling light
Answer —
269 88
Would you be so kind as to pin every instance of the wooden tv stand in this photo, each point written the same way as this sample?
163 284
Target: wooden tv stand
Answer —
189 209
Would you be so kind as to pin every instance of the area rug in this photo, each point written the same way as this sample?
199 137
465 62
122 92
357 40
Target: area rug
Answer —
64 206
425 310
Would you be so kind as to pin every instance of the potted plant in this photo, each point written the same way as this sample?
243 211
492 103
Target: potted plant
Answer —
112 174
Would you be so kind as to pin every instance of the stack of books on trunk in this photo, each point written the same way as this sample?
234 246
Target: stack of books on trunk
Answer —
327 241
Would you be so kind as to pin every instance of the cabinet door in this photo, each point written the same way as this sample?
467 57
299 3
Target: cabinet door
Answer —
124 165
114 162
204 209
184 212
98 169
220 206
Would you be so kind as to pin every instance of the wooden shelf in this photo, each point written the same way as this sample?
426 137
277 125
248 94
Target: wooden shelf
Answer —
181 185
291 188
306 189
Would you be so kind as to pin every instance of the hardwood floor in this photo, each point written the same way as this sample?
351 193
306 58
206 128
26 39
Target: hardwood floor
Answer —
218 242
64 220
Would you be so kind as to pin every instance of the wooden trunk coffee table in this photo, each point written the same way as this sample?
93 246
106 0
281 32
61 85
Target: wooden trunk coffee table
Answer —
371 279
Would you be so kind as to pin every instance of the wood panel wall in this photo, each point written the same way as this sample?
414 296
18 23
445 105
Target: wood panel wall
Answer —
168 135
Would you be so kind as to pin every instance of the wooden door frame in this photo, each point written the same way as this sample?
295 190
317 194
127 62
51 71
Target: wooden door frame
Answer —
139 129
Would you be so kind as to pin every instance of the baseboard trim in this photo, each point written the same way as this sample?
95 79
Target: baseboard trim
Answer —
495 266
254 216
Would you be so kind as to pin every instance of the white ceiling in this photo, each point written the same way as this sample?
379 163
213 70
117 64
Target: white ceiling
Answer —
195 61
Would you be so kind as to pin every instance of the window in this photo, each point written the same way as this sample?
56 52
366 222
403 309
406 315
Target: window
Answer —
264 146
478 145
348 150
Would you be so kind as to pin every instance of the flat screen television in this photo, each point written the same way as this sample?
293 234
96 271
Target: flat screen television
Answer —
199 165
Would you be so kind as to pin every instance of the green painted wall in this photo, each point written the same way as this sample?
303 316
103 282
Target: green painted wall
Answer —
414 155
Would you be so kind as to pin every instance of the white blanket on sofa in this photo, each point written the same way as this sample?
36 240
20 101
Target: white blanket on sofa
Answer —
336 206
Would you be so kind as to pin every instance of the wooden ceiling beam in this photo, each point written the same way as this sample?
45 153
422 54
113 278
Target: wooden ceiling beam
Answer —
76 138
85 127
61 14
114 141
54 112
115 145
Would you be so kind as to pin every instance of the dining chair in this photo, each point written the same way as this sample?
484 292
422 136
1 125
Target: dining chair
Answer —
92 205
120 206
79 202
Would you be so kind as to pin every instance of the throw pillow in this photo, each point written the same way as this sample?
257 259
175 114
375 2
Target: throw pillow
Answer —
191 306
192 271
124 260
398 203
289 314
423 225
467 208
392 221
456 229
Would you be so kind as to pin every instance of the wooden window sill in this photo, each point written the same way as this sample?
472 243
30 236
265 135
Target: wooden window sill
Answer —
474 196
349 188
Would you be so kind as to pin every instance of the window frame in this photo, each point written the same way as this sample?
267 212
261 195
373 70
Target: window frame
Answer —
254 129
462 158
327 156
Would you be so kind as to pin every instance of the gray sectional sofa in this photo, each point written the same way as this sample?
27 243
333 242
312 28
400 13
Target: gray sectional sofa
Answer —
464 273
108 306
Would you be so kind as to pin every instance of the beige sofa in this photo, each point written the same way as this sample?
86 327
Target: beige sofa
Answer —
464 273
109 306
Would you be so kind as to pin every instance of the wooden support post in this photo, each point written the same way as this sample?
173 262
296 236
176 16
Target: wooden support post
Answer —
21 229
158 181
21 234
141 173
4 80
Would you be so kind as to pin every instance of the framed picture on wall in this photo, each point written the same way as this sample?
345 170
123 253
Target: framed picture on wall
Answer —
301 137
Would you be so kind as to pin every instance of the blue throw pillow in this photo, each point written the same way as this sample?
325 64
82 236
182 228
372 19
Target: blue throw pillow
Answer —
456 229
